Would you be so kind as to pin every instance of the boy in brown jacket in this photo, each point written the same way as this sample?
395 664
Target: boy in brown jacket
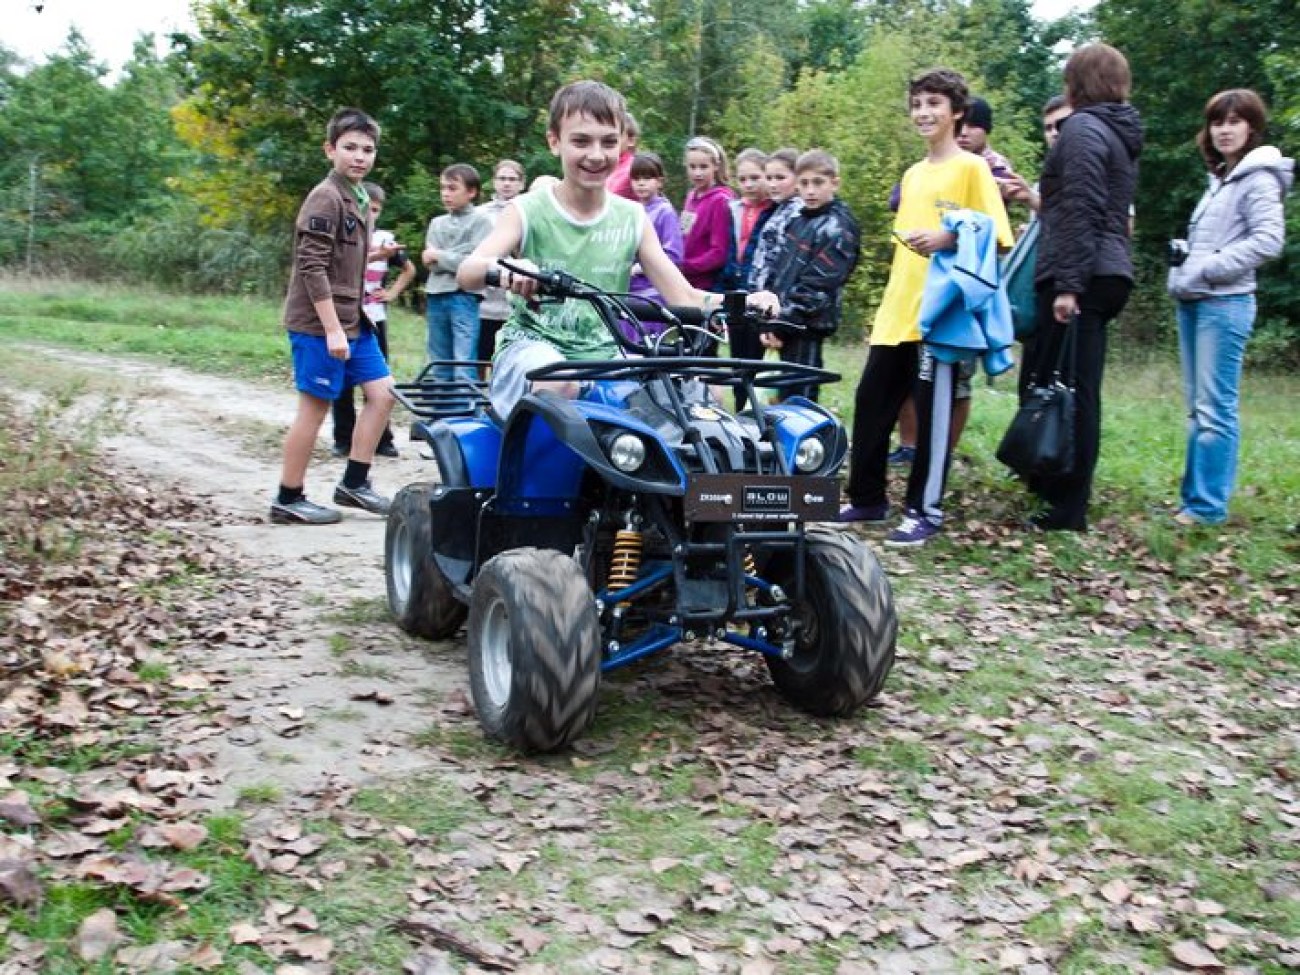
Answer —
334 346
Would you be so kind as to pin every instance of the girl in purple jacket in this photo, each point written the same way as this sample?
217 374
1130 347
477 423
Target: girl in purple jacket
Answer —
647 183
706 219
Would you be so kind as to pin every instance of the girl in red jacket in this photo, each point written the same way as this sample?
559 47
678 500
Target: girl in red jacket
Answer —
706 220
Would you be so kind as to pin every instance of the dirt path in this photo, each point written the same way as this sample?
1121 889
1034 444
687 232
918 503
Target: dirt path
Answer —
307 695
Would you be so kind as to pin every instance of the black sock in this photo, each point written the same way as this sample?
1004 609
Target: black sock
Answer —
289 495
356 475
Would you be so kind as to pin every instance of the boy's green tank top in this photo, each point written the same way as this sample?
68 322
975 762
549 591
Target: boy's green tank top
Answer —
600 252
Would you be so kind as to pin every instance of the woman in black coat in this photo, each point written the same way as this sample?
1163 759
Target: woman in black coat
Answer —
1085 267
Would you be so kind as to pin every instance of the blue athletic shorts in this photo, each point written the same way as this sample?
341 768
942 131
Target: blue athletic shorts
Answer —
317 373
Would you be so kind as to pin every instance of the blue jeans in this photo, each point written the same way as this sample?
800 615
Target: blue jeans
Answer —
1212 335
453 332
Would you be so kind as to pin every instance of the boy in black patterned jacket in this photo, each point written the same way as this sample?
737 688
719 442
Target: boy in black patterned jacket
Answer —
820 252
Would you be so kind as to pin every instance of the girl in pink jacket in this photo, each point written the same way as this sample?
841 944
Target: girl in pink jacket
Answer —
706 219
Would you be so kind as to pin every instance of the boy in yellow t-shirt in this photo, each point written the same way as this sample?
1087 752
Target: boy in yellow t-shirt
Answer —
948 178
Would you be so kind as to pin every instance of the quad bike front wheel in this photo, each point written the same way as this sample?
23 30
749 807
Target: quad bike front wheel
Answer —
534 649
420 596
848 628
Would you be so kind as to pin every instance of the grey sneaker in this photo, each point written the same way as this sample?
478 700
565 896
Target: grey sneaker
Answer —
365 497
303 512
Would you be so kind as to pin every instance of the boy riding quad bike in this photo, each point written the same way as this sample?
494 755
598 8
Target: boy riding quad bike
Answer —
581 534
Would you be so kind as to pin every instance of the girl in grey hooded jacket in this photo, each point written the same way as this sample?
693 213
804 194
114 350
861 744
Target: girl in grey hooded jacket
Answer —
1236 227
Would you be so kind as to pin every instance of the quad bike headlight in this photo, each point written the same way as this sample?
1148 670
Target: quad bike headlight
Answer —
810 455
627 452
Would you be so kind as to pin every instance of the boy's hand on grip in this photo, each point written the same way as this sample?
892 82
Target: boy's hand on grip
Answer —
520 284
764 302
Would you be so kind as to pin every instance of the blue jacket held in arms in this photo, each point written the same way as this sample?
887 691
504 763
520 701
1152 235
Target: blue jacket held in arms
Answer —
965 313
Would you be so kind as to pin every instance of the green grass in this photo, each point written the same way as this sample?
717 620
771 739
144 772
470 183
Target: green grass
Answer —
260 794
235 885
368 671
226 336
362 610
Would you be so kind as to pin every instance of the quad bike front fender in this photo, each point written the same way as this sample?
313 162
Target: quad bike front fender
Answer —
551 442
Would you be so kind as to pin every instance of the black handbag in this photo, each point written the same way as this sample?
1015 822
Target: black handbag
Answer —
1040 440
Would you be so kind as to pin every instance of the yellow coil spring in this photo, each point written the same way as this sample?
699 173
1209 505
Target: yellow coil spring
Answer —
626 561
751 568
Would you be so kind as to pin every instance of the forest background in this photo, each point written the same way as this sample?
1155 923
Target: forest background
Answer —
185 171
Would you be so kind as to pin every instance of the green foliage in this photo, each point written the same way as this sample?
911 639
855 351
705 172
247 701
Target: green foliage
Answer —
1238 46
172 247
96 149
187 172
827 110
1014 59
448 82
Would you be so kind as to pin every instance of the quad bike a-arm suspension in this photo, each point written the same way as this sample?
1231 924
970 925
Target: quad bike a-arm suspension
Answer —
712 583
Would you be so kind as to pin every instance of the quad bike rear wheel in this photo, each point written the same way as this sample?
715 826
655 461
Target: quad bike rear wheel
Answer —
534 649
420 596
848 627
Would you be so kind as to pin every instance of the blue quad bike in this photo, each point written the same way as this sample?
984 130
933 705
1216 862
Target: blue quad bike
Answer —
579 535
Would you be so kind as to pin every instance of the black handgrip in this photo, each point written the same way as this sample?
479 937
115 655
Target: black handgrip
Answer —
651 311
556 284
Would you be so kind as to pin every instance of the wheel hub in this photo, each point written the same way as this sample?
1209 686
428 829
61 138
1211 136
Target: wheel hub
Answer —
498 673
401 571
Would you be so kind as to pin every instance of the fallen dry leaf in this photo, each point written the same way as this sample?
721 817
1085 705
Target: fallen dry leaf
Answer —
1193 954
162 957
184 836
1144 922
18 883
244 933
97 935
16 809
1116 891
678 944
205 958
313 947
635 922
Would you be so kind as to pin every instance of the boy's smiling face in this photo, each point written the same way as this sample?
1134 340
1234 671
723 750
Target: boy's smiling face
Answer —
932 115
817 189
353 155
588 150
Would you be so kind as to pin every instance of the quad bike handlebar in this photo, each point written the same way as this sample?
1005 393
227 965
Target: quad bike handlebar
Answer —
696 329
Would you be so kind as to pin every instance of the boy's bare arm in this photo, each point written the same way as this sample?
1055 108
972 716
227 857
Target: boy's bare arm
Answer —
503 241
402 282
672 284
